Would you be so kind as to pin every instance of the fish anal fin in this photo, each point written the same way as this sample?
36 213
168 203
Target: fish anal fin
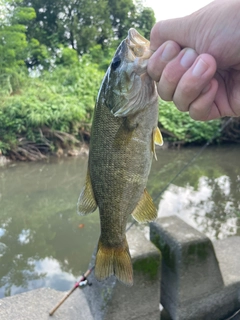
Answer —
86 201
156 139
114 261
145 210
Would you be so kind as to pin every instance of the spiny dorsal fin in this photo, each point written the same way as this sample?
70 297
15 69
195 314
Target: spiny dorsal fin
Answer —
114 261
145 210
156 139
86 201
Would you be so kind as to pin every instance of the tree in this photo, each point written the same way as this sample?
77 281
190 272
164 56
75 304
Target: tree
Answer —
122 15
13 44
13 38
145 21
82 24
78 23
89 24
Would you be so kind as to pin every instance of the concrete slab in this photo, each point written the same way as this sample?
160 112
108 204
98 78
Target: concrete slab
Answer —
196 283
228 254
36 305
112 300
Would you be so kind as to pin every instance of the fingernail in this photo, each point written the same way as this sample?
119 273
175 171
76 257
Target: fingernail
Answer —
200 67
169 52
188 58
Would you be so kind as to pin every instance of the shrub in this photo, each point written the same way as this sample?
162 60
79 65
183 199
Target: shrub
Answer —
180 127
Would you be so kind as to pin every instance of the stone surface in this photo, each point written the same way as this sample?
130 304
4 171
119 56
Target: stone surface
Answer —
194 284
36 305
112 300
228 254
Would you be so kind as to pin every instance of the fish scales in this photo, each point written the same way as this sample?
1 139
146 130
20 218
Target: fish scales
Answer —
118 171
123 133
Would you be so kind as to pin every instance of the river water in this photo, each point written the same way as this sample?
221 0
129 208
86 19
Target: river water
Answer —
43 242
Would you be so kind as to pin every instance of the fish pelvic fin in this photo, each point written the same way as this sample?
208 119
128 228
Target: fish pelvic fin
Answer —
156 139
114 261
86 201
145 210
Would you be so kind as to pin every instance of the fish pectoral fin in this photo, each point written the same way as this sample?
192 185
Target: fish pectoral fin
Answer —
145 210
156 139
86 201
114 261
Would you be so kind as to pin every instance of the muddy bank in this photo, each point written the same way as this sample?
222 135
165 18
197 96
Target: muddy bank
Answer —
82 150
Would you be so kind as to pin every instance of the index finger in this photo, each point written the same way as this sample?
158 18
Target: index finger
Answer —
173 29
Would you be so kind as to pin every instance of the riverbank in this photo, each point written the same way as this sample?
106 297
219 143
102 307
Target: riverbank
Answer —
53 111
63 145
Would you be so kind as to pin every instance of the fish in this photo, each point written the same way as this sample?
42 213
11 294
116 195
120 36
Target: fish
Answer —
123 136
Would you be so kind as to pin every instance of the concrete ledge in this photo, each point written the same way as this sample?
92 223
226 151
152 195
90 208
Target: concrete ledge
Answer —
36 305
194 285
110 299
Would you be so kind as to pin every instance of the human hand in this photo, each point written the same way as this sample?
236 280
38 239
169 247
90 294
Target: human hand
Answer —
196 62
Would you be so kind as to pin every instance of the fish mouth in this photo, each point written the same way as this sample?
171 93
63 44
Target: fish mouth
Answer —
138 45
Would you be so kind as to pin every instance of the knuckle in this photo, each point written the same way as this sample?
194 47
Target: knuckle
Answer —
180 105
197 112
164 94
188 88
170 76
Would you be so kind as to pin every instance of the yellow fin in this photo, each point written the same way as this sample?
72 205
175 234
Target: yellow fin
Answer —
86 201
114 261
145 209
157 139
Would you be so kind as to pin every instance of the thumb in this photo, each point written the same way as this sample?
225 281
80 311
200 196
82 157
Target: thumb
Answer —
173 29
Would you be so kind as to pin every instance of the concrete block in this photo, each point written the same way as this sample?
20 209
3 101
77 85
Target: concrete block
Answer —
110 299
192 286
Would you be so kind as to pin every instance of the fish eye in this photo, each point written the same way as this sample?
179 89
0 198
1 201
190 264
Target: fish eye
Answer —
116 62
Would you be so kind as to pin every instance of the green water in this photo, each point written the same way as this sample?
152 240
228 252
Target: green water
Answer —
43 242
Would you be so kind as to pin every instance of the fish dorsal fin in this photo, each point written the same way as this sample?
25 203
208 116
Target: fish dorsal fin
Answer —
156 139
145 210
86 201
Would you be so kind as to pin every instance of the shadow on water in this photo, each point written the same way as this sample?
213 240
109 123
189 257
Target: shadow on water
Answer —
43 242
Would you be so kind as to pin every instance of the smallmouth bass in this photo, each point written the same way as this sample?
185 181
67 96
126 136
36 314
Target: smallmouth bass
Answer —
123 136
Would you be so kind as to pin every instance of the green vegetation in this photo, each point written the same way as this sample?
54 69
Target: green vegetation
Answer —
53 55
49 111
179 127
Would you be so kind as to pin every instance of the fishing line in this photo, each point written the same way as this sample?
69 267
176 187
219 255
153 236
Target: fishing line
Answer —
193 158
187 164
84 277
233 316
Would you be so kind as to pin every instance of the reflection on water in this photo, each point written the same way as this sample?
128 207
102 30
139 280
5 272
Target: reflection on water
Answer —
206 194
43 242
198 209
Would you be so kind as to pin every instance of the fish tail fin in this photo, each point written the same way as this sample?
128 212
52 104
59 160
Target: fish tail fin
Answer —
114 261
